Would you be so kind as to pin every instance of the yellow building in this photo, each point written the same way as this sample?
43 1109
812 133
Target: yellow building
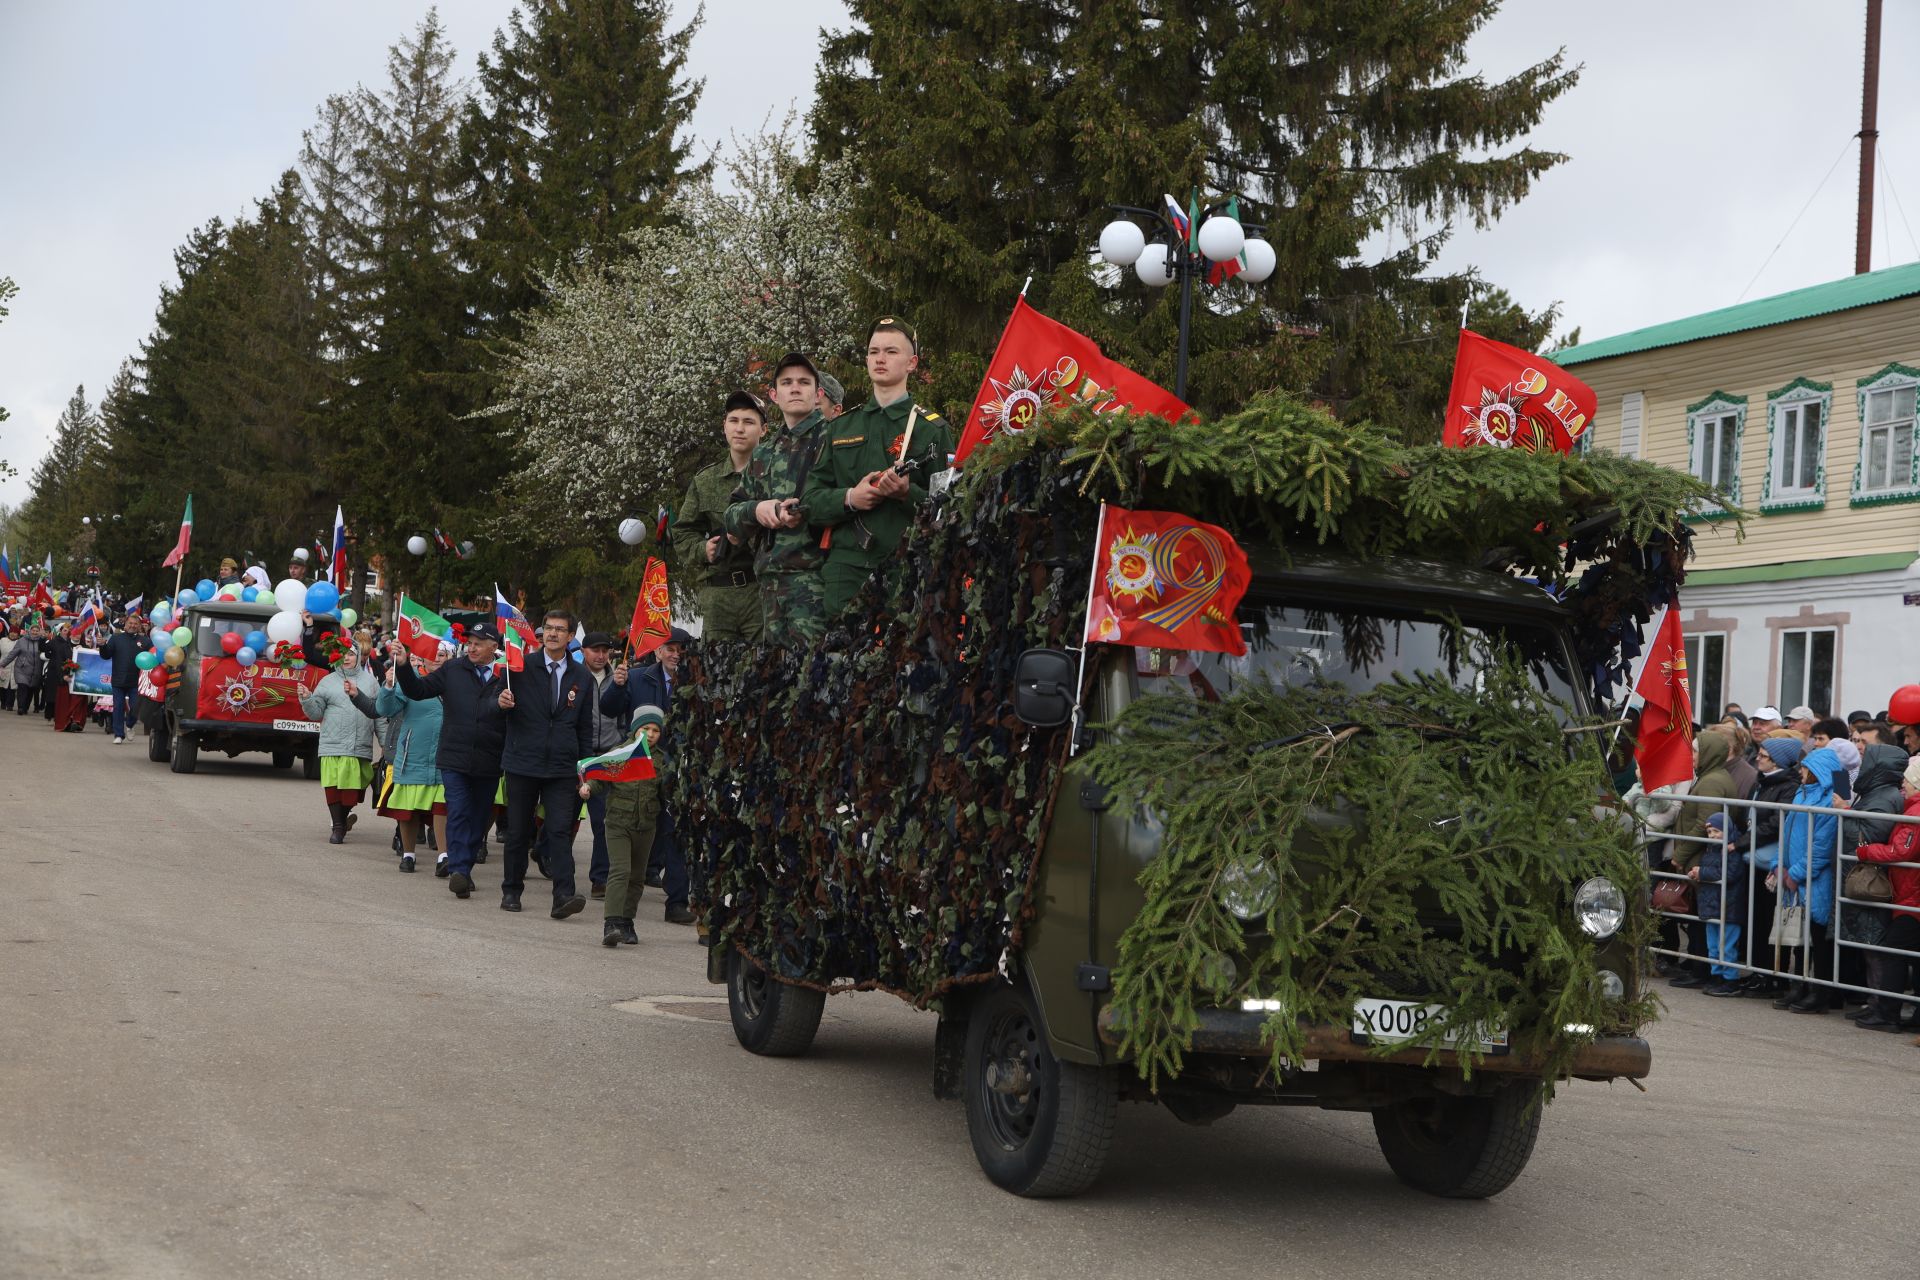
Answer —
1801 409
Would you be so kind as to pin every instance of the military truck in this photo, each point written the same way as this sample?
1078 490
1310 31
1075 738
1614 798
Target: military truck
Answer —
215 704
920 803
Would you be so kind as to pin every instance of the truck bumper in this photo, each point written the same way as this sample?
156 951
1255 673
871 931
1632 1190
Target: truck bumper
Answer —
1236 1034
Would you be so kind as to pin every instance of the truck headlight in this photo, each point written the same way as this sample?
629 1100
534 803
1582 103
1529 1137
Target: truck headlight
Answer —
1248 887
1600 908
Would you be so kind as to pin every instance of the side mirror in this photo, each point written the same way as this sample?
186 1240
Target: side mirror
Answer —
1043 687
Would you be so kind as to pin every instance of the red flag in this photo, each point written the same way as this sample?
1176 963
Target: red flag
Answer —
184 541
1664 749
41 598
652 613
1041 362
1513 399
1166 581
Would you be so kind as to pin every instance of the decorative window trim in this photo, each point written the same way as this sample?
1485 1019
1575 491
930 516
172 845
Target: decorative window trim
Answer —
1799 391
1719 404
1894 375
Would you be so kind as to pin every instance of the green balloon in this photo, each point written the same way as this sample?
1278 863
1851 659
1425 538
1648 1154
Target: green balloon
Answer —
348 617
182 637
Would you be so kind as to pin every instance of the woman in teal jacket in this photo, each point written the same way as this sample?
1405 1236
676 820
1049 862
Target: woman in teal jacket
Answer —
413 795
1806 870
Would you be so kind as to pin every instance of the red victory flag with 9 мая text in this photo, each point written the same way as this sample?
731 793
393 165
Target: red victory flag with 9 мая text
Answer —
1513 399
1664 747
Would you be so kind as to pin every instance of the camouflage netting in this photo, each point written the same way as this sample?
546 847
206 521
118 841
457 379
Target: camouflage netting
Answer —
868 813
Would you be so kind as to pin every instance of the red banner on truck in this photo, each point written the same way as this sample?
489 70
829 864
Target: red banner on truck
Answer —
260 694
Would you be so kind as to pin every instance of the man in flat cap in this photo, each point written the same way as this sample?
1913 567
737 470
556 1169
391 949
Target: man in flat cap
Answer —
472 735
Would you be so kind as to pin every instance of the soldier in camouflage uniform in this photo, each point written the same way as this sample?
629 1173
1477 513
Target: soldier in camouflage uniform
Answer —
729 596
765 515
854 489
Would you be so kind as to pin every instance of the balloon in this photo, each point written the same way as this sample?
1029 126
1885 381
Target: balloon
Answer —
205 589
1904 705
182 636
249 594
257 640
176 657
285 625
245 656
187 597
161 612
348 617
145 660
322 598
230 643
291 596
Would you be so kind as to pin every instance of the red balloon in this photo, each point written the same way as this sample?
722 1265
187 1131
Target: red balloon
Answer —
1904 705
231 643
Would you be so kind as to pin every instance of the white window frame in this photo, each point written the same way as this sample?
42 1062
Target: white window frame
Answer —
1802 696
1902 489
1633 416
1721 412
1786 410
1696 646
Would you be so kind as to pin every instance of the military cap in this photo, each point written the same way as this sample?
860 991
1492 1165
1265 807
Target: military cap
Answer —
745 400
895 322
796 360
831 385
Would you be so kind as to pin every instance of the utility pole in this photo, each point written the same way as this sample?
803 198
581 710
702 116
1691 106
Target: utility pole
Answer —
1869 143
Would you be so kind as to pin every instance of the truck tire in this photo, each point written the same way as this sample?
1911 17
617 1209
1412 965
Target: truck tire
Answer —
770 1018
186 752
1462 1148
283 759
1040 1127
310 767
159 745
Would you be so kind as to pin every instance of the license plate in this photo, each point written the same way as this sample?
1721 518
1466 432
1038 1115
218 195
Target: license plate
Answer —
298 726
1405 1022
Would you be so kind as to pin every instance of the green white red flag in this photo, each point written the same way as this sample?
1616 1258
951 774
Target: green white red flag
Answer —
422 630
184 542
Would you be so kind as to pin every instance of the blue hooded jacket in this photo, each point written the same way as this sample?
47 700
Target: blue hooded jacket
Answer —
1807 840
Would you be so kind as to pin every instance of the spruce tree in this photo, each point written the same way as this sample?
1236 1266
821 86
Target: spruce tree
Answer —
994 138
51 517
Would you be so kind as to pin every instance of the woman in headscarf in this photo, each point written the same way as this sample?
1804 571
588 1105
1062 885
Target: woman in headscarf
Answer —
412 794
345 712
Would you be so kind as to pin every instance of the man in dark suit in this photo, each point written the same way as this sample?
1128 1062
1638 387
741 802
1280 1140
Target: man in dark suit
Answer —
549 731
472 735
653 685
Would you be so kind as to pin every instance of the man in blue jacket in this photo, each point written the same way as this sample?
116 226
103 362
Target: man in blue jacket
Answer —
549 731
121 649
472 735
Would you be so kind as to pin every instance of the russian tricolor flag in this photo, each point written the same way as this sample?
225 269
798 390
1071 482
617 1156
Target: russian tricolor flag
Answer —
335 568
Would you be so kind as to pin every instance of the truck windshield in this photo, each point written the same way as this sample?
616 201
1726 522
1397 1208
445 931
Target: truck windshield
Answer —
1291 644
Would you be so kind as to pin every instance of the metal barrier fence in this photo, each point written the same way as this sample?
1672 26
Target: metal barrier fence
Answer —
1752 948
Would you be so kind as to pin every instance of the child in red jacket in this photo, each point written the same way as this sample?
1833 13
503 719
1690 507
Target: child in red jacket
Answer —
1887 972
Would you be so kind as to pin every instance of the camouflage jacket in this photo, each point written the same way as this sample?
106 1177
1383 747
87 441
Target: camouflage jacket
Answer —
778 469
699 518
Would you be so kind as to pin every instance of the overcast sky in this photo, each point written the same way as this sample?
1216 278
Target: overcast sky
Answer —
1699 130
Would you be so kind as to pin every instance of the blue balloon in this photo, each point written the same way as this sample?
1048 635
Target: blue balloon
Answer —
257 641
205 588
187 597
162 640
245 656
322 598
249 594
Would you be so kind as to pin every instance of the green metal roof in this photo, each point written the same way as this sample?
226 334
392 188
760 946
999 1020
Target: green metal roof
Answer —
1788 571
1815 300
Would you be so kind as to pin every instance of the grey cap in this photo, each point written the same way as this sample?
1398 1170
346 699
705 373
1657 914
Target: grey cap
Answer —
648 714
831 385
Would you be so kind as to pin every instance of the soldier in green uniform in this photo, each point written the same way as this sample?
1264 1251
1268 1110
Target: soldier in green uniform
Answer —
729 597
855 491
765 514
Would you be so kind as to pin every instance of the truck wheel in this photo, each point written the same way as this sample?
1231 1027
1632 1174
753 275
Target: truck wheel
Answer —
1040 1127
186 752
770 1018
159 745
1464 1148
283 759
310 767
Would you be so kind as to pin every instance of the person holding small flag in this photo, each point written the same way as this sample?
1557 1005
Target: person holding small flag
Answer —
872 474
626 782
342 704
472 736
549 731
412 794
719 565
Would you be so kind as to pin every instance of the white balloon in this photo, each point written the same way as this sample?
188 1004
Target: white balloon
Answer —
1153 267
284 625
1222 237
633 532
1121 242
417 545
1261 261
291 596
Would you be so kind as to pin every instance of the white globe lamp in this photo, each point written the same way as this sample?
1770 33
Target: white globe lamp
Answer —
1260 261
1153 267
417 545
1121 242
1221 238
633 531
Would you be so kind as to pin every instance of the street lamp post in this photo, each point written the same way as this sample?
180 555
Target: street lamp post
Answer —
1220 237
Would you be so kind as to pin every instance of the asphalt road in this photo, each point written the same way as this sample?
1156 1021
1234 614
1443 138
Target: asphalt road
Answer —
228 1049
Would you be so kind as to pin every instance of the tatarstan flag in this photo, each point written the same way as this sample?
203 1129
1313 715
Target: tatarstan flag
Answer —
1166 581
421 629
183 542
631 762
516 637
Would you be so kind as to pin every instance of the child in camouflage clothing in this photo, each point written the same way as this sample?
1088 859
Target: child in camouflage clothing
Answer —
633 811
